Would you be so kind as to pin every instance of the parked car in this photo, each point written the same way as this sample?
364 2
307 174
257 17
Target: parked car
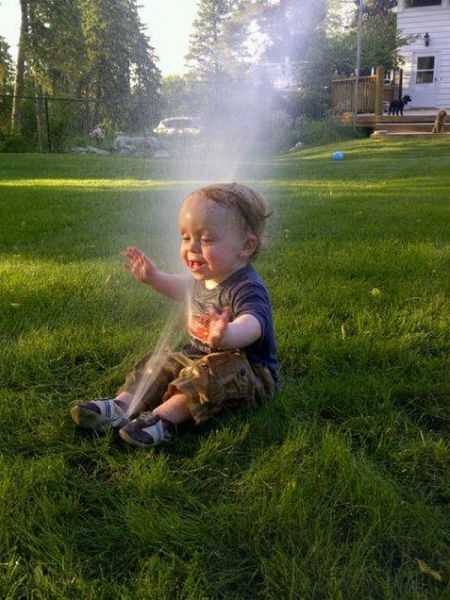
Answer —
178 126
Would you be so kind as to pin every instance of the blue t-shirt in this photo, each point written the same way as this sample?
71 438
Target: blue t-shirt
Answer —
244 293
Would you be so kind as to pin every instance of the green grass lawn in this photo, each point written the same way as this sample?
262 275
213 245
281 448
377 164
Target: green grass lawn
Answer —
335 490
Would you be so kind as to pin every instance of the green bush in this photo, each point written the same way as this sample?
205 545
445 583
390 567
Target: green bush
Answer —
279 129
280 133
315 132
16 143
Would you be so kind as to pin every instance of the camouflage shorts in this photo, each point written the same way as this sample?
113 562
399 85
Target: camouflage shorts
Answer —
211 383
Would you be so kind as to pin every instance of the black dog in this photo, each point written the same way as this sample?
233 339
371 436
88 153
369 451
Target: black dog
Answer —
396 106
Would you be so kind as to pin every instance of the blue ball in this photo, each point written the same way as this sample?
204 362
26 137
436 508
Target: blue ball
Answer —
338 155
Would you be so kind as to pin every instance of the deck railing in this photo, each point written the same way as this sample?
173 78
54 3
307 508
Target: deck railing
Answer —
372 93
343 93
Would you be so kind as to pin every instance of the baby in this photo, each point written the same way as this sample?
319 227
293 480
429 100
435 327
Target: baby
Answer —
231 360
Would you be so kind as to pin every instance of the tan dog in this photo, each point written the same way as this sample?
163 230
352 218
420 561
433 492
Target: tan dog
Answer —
439 123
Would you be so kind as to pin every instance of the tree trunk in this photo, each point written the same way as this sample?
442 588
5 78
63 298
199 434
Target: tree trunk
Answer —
39 105
96 105
40 119
16 113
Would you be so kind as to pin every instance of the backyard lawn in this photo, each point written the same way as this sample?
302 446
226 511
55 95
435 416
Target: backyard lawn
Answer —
338 489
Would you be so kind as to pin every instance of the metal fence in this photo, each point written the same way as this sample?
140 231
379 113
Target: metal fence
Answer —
50 122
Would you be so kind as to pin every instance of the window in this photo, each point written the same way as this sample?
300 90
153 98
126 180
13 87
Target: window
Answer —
418 3
425 69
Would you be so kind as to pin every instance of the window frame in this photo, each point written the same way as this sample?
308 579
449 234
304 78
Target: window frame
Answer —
421 71
433 3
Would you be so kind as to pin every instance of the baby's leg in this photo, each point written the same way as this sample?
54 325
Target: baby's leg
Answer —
124 399
113 412
148 381
153 428
213 383
175 409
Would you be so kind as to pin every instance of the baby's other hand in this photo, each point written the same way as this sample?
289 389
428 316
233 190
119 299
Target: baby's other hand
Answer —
217 326
139 265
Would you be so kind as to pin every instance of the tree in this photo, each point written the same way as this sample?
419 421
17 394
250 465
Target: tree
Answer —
6 68
19 82
55 57
6 79
286 27
380 39
319 40
107 76
87 49
293 33
55 48
145 77
380 8
180 95
49 56
215 45
120 61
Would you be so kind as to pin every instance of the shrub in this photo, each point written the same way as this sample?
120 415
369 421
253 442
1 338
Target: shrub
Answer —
280 133
313 132
16 143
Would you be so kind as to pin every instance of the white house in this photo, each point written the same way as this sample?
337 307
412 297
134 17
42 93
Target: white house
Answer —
426 68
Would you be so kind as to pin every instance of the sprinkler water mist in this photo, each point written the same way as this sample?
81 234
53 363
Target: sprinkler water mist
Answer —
167 341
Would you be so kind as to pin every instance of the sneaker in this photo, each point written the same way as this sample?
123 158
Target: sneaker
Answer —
99 414
147 430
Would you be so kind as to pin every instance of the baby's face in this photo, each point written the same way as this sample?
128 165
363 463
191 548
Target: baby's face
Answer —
213 243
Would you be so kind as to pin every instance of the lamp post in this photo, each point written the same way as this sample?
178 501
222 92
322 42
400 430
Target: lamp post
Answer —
358 62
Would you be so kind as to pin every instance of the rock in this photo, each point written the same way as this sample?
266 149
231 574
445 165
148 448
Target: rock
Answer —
79 150
99 151
161 154
97 133
137 143
154 143
297 146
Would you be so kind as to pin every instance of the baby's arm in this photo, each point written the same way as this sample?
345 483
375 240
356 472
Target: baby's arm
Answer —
144 270
241 332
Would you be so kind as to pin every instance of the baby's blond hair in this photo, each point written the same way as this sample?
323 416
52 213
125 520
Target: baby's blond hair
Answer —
249 206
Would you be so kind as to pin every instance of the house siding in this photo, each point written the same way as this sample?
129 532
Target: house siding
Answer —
434 20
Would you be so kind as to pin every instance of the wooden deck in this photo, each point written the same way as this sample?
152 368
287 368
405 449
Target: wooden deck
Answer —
374 94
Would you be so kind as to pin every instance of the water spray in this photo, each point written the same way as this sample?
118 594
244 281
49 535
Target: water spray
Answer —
169 338
224 168
244 110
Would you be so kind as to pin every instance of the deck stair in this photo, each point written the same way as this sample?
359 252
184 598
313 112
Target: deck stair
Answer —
407 125
413 123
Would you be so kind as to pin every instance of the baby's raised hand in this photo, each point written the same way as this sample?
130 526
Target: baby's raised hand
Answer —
139 265
217 326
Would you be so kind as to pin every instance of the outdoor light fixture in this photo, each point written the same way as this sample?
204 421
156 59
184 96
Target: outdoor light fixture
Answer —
426 39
